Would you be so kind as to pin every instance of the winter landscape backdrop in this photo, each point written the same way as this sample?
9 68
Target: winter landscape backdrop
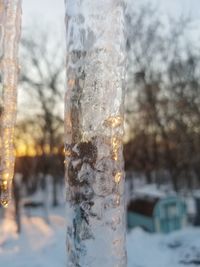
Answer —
161 143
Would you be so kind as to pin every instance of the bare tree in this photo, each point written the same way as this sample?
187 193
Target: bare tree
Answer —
42 118
163 97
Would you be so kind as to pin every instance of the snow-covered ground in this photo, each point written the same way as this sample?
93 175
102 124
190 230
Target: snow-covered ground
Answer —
179 249
40 244
43 244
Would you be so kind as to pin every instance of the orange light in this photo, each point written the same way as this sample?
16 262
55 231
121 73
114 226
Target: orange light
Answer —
118 177
113 122
116 142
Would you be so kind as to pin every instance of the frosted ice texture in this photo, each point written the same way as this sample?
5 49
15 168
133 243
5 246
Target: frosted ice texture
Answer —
10 21
93 132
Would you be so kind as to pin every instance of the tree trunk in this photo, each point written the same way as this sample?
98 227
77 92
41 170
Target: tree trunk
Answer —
93 133
54 192
17 198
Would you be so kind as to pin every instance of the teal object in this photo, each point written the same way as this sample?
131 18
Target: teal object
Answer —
168 214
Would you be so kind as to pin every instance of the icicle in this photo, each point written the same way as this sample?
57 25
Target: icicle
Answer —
10 23
93 133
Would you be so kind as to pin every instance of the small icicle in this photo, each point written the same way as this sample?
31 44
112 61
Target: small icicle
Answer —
10 24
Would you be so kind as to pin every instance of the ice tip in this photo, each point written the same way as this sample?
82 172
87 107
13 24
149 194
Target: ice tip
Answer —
4 203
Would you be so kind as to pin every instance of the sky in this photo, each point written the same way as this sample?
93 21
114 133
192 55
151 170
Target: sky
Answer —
178 7
52 12
39 15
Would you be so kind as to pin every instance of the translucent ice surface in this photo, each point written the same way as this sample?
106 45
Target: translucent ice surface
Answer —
93 132
10 21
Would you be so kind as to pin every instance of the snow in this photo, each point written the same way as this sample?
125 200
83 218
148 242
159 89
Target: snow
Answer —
40 244
150 190
177 249
43 244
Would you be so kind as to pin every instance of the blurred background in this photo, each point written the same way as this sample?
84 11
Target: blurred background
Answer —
161 142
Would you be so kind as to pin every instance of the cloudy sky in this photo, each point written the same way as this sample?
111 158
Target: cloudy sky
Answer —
52 11
43 10
178 7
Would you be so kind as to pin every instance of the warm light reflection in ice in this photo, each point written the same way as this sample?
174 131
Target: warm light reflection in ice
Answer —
116 143
113 122
67 153
6 187
118 177
71 82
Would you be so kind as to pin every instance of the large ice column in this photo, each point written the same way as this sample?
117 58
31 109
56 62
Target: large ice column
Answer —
10 22
93 133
